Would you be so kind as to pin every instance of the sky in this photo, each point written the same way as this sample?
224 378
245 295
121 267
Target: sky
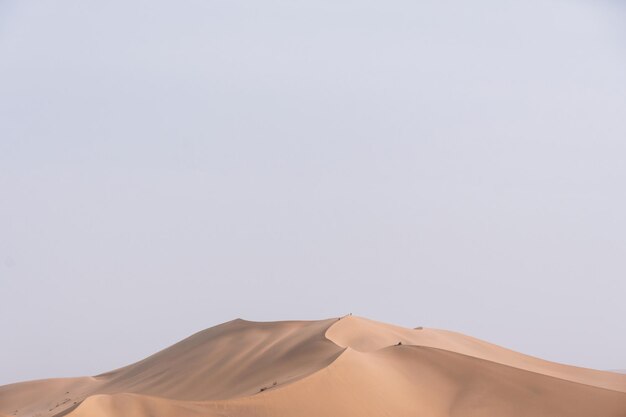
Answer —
169 166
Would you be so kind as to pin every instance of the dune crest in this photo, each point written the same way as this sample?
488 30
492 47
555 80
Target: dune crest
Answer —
337 367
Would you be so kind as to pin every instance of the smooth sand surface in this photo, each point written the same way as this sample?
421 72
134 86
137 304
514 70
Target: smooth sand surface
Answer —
338 367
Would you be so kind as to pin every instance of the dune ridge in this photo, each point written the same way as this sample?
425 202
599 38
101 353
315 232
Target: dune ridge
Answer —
347 366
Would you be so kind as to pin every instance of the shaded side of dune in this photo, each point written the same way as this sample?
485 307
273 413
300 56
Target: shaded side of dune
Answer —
235 359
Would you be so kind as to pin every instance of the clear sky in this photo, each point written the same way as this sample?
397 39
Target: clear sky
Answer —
166 166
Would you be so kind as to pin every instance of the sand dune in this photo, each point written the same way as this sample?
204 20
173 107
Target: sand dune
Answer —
367 335
338 367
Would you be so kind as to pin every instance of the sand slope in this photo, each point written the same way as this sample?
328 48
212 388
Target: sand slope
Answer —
367 335
348 367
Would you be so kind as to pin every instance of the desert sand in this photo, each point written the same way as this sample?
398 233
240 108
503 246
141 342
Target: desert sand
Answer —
349 366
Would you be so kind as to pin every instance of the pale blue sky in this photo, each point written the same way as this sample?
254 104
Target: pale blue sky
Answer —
167 166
